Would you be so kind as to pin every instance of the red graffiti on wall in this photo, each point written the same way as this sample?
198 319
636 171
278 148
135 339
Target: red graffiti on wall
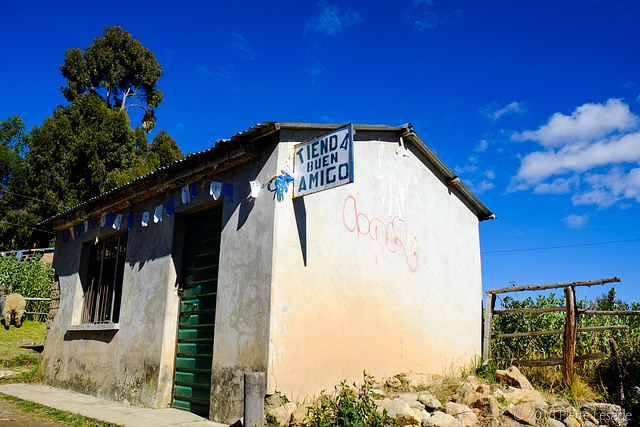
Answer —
392 235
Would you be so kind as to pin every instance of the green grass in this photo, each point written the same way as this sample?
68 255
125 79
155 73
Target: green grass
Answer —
56 414
12 340
14 351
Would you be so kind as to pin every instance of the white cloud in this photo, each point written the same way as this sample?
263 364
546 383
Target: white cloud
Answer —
482 145
482 186
587 123
240 45
594 154
576 221
225 71
494 113
580 157
330 20
315 71
610 188
422 18
204 71
557 186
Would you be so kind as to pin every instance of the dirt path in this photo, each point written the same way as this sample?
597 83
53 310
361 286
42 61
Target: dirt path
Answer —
11 415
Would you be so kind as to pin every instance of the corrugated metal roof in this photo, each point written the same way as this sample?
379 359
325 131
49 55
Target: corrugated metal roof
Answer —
234 151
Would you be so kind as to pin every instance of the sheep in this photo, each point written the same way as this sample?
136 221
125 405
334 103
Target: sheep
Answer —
14 310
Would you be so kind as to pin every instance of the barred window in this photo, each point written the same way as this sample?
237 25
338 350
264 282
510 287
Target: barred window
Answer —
103 287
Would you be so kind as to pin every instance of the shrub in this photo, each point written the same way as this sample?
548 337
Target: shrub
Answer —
349 407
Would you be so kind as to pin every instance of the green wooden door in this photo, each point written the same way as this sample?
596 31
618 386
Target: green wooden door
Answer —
197 312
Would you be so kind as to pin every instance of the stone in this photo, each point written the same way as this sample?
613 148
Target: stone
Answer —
417 380
571 422
516 396
554 423
282 414
528 413
587 417
418 414
440 419
382 403
467 394
299 415
401 410
414 404
606 414
506 421
514 377
429 401
467 417
488 406
273 401
393 382
483 389
408 396
560 409
378 393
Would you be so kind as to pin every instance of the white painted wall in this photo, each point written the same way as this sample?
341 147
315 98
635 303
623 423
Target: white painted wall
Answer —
392 280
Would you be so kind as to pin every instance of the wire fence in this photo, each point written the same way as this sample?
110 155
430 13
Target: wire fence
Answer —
38 308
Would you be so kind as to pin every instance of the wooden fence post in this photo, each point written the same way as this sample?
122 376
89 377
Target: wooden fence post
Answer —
616 361
570 335
489 304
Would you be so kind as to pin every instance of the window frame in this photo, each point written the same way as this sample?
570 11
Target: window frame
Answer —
103 281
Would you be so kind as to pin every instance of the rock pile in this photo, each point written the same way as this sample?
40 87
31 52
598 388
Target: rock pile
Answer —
512 403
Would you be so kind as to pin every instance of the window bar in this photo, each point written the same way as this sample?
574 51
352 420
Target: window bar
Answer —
90 298
106 284
96 316
115 278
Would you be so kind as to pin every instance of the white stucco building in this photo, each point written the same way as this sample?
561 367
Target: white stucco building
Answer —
177 283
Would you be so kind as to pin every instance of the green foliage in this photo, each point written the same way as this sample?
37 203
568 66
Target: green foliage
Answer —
630 368
505 350
601 375
161 153
546 346
164 150
350 406
87 147
118 68
13 173
13 139
31 279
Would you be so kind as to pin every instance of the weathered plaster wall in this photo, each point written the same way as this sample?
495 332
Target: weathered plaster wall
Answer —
134 362
244 287
382 274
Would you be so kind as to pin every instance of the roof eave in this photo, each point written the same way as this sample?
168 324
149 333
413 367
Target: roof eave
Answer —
451 179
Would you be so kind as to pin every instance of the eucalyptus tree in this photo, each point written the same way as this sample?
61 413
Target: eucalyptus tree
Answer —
119 69
88 146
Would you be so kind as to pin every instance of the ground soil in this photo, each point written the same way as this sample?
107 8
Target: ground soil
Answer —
11 415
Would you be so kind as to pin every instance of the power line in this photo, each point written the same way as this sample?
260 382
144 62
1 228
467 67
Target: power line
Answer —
560 247
26 226
32 198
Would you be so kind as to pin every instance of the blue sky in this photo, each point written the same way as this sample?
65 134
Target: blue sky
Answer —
535 104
